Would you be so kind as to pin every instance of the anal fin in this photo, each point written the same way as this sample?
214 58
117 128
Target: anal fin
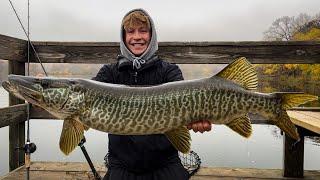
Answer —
242 126
180 139
71 135
284 122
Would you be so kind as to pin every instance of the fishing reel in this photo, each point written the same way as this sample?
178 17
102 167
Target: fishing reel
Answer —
28 148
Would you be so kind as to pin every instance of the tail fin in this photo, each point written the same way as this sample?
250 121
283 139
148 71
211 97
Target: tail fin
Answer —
289 100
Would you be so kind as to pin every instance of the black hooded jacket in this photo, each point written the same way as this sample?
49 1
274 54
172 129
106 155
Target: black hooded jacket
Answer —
141 153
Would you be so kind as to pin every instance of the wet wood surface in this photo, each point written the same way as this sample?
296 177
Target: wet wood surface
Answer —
258 52
12 49
13 114
293 157
74 170
307 119
185 52
16 130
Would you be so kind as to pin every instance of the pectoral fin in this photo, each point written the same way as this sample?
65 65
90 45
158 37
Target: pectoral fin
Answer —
86 127
242 126
180 139
71 135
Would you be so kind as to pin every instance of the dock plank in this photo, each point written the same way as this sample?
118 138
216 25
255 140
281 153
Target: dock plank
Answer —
306 119
76 170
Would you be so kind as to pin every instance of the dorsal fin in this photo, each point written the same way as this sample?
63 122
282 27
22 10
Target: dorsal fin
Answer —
241 72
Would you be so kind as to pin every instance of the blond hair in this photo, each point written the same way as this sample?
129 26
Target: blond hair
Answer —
136 19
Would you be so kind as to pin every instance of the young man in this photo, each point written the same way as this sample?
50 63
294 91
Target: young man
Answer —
150 156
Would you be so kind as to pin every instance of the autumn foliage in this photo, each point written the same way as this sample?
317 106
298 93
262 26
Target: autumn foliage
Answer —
309 72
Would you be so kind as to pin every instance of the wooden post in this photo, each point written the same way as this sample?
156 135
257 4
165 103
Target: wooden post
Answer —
16 131
293 156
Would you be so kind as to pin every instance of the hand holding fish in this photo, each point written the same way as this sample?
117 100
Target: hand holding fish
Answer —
200 126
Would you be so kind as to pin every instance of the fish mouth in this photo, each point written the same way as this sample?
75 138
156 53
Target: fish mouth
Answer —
7 86
22 81
22 87
30 95
11 89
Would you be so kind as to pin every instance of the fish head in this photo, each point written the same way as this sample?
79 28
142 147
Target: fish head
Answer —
56 95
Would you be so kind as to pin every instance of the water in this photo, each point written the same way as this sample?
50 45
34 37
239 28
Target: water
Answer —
4 137
219 148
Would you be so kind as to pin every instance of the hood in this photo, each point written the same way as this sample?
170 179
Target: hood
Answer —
147 57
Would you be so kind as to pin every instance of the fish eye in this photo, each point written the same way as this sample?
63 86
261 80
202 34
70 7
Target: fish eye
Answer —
44 84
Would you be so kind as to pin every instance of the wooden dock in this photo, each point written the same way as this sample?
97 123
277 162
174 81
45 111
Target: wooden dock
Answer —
309 120
74 170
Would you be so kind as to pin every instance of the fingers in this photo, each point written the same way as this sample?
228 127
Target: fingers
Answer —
200 126
189 126
207 125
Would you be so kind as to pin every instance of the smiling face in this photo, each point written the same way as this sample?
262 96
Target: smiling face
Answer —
137 32
137 39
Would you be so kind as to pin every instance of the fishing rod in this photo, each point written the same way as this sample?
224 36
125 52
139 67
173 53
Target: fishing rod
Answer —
30 44
29 147
86 155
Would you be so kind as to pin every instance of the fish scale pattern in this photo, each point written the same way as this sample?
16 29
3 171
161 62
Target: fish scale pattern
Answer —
153 112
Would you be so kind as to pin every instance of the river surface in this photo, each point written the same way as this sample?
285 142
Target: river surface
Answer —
219 148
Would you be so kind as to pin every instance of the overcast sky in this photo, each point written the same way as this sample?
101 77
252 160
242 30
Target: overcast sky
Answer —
176 20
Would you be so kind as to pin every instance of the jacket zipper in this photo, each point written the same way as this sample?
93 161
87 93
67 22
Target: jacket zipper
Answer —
135 77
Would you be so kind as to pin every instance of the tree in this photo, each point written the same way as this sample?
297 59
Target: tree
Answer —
300 28
283 28
312 35
309 32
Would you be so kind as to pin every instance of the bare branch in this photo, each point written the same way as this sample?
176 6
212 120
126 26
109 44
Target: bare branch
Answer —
285 27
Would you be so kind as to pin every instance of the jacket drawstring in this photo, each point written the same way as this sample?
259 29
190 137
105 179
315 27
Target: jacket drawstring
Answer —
137 62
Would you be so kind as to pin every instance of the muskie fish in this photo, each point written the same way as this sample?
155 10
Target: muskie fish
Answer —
225 98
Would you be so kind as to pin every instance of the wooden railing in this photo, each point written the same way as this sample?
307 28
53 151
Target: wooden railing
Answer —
273 52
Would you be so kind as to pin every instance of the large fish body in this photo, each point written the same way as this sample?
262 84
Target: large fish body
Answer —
226 98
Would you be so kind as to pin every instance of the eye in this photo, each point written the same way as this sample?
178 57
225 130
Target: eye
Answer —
73 82
144 30
129 31
44 84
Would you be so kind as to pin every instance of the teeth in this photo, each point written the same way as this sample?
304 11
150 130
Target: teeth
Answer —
137 44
